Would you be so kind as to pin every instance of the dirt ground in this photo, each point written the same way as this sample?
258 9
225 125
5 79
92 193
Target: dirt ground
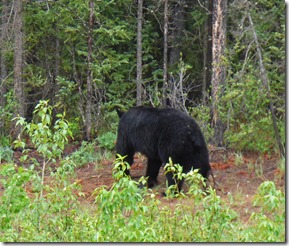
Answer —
237 175
239 181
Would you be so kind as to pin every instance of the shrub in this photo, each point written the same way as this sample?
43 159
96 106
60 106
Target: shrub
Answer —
14 198
267 224
85 154
126 213
107 140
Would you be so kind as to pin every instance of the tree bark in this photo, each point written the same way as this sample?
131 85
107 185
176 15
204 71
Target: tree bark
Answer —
165 62
207 53
56 65
139 53
88 118
3 75
265 80
19 96
218 68
176 32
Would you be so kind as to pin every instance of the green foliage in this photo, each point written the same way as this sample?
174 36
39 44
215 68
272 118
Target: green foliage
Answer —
212 217
193 178
88 152
247 115
56 38
218 220
245 103
14 198
49 140
126 213
6 154
6 114
195 181
202 115
67 98
122 209
41 217
120 167
177 173
36 207
54 211
50 207
107 140
4 141
56 53
268 224
85 154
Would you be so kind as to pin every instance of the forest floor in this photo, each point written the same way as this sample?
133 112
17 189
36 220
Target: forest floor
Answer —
238 176
238 181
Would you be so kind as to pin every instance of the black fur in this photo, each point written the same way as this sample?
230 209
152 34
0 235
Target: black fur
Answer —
119 112
159 134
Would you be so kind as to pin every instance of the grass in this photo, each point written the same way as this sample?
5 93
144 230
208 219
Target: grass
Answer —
239 161
124 213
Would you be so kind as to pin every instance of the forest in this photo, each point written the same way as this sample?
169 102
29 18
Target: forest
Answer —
68 65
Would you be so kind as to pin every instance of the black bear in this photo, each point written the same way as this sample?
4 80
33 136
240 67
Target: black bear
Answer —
160 133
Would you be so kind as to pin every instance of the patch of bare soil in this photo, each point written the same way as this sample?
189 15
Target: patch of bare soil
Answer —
238 182
237 176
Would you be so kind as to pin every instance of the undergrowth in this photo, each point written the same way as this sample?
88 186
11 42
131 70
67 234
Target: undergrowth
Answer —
126 213
40 208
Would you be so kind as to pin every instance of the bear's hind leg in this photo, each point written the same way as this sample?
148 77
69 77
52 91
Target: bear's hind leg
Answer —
153 169
172 181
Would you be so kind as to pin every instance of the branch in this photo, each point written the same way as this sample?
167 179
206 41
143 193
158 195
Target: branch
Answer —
265 80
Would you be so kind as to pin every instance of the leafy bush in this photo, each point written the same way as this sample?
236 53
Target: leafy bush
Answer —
126 213
14 198
202 114
268 224
195 180
122 209
85 154
33 211
107 140
6 154
49 140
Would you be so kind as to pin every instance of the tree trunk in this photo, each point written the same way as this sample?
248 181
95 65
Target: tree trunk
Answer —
19 96
88 118
139 53
207 53
265 81
56 65
218 68
176 32
165 62
3 75
56 69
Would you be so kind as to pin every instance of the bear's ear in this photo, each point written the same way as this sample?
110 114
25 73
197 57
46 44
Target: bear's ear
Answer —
119 112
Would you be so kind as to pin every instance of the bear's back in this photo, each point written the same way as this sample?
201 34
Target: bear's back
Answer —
168 123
